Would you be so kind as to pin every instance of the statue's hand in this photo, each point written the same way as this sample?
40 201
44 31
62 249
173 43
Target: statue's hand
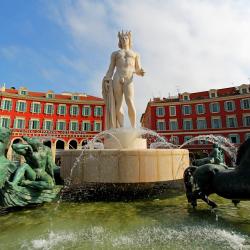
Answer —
107 82
140 72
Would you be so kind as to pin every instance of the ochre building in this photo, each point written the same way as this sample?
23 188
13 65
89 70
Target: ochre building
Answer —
61 121
224 112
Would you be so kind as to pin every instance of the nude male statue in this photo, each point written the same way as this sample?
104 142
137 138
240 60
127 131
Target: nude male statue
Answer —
127 63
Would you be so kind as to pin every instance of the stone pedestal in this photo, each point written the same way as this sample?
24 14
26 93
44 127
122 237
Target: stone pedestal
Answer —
124 166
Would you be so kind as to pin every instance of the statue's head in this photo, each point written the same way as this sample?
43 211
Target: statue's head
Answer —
35 143
5 135
215 145
125 39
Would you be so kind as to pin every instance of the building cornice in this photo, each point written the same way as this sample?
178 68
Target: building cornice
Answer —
203 132
52 100
200 101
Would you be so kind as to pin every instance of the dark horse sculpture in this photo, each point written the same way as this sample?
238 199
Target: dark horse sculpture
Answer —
230 183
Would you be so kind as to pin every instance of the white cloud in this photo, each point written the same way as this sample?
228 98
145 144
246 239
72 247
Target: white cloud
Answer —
195 45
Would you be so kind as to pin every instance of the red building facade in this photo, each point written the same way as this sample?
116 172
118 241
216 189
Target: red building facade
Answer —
224 112
62 121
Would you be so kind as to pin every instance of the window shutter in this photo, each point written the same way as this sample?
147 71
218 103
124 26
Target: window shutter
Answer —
241 104
225 106
10 105
17 106
30 124
32 107
233 104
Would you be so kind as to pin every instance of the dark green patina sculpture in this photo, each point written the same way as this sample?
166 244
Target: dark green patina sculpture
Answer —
32 182
215 157
231 183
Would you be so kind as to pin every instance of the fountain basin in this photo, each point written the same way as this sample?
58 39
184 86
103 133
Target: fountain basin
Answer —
124 165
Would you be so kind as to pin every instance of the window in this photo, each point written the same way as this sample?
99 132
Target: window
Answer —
160 111
214 107
61 125
234 138
50 95
216 122
61 109
244 88
246 121
231 122
201 123
49 109
187 138
173 125
186 97
5 122
174 140
97 126
6 104
36 108
34 124
244 91
23 92
186 110
98 111
75 97
229 106
21 106
161 125
74 126
187 124
74 110
247 136
86 126
213 93
200 109
19 123
86 111
172 111
48 125
245 103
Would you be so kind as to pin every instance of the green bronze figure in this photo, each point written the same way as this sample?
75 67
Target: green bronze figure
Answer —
32 182
38 168
215 157
215 177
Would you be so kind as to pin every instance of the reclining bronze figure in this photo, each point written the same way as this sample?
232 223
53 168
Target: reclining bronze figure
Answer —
33 181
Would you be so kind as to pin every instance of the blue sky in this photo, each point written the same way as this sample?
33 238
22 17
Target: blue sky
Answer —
31 47
65 45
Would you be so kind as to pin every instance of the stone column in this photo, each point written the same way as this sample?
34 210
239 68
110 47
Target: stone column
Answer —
53 150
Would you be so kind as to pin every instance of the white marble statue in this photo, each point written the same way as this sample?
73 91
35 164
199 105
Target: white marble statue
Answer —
119 84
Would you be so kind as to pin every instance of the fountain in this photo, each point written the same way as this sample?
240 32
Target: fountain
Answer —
124 158
130 157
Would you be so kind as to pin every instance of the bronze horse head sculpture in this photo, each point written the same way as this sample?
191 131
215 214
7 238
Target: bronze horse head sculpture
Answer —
230 183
